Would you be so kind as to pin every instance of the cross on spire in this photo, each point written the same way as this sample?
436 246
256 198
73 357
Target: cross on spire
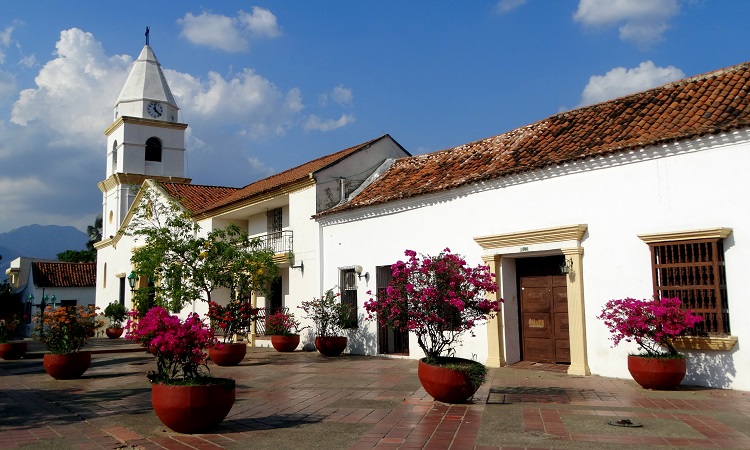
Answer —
148 30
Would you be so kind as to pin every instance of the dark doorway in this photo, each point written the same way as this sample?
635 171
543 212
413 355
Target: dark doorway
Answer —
390 341
276 297
543 310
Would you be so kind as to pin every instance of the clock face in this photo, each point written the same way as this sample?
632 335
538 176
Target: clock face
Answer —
155 109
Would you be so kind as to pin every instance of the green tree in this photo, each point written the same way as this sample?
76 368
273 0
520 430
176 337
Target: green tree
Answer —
89 255
183 267
77 256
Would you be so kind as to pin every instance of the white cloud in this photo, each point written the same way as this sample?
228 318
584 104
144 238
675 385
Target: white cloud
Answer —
621 81
247 102
73 90
315 123
504 6
641 21
230 34
340 95
261 22
55 129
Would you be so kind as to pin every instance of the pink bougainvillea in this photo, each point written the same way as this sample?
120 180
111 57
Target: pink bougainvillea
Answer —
438 298
650 323
181 346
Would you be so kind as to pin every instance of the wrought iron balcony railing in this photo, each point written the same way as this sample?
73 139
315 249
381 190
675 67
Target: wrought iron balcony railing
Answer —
278 241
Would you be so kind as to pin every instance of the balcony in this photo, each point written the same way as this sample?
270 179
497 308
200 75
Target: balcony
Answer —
281 242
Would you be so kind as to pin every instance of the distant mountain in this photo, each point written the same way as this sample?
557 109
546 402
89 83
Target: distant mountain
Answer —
39 241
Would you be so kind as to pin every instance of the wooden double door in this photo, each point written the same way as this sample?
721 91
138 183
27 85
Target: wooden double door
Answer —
544 310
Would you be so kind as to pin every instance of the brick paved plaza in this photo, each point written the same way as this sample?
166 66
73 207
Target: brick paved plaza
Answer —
303 400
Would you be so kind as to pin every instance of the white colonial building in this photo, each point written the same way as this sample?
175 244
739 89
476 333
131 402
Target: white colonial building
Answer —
634 197
638 196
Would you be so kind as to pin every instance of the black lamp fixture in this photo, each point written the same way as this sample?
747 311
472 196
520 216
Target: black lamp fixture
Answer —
567 266
301 267
131 281
358 271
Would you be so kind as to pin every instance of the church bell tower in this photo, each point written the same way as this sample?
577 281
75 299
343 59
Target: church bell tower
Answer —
145 141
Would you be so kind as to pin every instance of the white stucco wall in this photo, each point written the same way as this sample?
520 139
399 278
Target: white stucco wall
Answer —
693 185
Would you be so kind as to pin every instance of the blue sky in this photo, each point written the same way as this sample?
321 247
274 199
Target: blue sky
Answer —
265 86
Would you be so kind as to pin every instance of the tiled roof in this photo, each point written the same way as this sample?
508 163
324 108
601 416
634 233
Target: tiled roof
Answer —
286 178
706 104
195 197
64 274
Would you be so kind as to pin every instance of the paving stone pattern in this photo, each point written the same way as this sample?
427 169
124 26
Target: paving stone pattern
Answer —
302 400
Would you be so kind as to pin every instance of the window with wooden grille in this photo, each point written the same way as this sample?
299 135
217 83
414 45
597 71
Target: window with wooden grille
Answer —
693 271
348 285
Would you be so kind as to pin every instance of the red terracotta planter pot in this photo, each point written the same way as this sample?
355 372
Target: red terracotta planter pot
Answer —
445 385
13 350
114 333
285 343
330 345
657 373
229 354
67 366
193 409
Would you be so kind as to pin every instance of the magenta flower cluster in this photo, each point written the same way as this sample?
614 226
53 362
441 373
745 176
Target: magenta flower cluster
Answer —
180 346
438 298
281 324
650 323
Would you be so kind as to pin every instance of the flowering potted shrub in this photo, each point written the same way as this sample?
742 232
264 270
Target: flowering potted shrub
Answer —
183 394
65 331
284 331
438 298
233 321
10 349
116 313
330 316
650 323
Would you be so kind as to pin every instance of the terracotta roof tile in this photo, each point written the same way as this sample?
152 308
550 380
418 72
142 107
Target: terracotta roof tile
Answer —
195 197
64 274
705 104
285 178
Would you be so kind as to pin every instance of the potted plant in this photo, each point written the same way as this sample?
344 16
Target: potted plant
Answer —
438 298
183 394
10 349
650 323
284 331
330 317
65 331
116 313
233 321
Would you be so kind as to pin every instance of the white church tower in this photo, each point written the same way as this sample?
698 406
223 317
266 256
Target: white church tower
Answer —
145 141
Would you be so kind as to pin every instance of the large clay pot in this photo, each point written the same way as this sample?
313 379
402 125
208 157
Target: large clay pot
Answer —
446 385
285 343
193 409
657 373
67 366
229 354
330 345
13 349
114 333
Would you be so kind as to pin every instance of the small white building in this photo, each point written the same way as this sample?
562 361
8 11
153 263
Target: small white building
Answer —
639 196
40 283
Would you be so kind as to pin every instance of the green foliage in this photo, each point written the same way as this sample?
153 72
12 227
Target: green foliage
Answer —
77 256
116 314
328 313
476 371
183 267
89 255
